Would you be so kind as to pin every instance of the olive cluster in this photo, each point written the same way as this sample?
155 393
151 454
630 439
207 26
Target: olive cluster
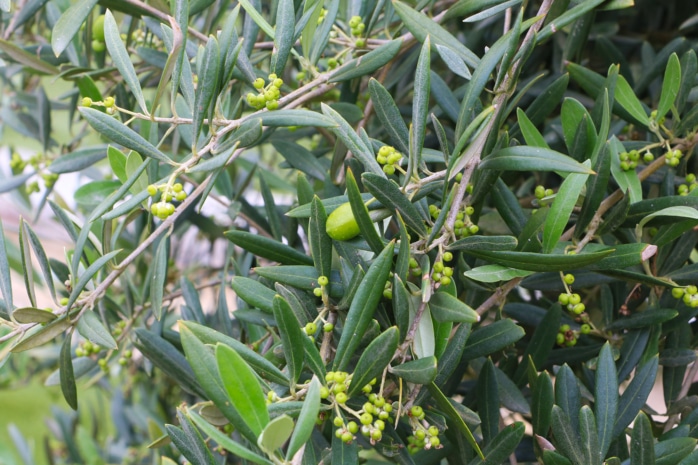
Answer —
424 435
441 273
98 44
688 294
268 94
689 186
164 208
87 348
18 165
629 160
389 158
357 29
566 336
673 157
573 303
108 103
463 226
541 193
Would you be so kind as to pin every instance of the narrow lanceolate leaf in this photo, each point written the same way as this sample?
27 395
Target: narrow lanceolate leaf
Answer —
589 436
606 398
89 273
283 39
500 243
291 337
203 362
360 212
40 255
502 446
283 118
670 86
389 115
159 276
420 107
27 263
253 292
121 59
207 87
642 441
444 307
541 262
25 315
449 410
495 273
375 358
561 209
114 130
635 395
566 439
422 26
627 99
527 158
488 401
388 193
353 142
363 307
306 419
68 387
420 371
69 24
268 248
189 442
243 389
454 62
225 441
366 64
91 327
489 339
542 399
43 335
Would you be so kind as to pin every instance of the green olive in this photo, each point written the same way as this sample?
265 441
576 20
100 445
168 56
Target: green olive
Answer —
98 29
341 224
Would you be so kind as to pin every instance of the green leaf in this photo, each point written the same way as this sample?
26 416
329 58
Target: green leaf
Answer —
189 441
159 277
268 248
625 96
635 395
205 367
672 451
27 263
69 24
568 17
495 273
26 315
331 204
300 276
81 159
450 411
531 134
422 26
541 343
420 371
5 279
454 62
25 58
275 434
489 339
283 38
300 158
589 436
649 317
165 356
360 212
43 335
353 142
114 130
445 307
284 118
41 257
90 327
488 401
89 273
670 86
68 387
606 398
420 109
243 389
208 70
562 208
306 419
387 192
291 337
527 158
541 262
257 18
499 243
368 63
566 439
225 441
122 61
502 445
374 359
542 399
389 115
674 212
642 441
363 307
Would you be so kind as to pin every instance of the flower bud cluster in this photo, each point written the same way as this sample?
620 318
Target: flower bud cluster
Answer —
630 160
689 186
164 207
688 294
673 157
424 436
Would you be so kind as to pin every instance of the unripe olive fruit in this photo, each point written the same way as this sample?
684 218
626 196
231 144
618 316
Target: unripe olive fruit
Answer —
98 29
341 224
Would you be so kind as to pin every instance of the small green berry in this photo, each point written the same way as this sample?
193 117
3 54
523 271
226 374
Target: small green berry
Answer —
323 281
258 83
569 278
328 327
318 292
338 422
341 398
310 328
677 292
585 329
86 102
